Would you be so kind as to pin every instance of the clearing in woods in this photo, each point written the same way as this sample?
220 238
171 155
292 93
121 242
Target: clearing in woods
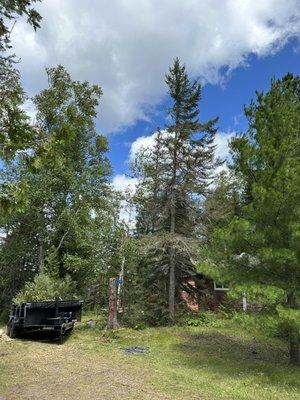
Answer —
210 362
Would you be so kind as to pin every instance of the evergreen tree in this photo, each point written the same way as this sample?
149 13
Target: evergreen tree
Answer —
220 206
261 245
176 175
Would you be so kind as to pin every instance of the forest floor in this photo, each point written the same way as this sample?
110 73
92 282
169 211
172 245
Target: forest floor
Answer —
210 362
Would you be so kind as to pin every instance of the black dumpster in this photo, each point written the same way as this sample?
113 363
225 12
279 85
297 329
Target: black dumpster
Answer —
53 319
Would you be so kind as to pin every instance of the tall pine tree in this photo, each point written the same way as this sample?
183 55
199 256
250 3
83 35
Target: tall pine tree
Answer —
261 244
175 176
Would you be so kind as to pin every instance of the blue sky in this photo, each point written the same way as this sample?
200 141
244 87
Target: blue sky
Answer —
224 100
127 46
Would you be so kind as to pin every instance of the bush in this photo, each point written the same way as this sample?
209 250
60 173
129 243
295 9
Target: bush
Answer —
4 316
45 287
204 319
263 322
267 296
136 318
289 321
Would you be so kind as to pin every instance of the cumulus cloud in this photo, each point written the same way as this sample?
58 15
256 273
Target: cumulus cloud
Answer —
142 144
127 186
30 110
126 46
222 140
147 142
123 183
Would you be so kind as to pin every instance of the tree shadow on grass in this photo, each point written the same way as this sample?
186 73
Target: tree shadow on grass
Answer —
238 357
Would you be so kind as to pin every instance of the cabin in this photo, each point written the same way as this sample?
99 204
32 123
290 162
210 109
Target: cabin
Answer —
201 293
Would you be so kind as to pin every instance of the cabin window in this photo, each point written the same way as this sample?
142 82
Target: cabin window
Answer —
220 286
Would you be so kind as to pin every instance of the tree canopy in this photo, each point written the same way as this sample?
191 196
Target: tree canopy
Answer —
174 177
65 223
261 245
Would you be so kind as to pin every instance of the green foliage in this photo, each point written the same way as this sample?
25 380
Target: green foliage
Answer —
268 323
173 178
221 204
209 318
204 319
11 10
260 244
4 315
145 296
63 216
277 323
15 131
181 163
289 321
44 287
269 296
137 318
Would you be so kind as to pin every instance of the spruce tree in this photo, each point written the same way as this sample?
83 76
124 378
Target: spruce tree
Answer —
176 176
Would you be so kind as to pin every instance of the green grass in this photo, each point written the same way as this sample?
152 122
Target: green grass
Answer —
218 361
214 361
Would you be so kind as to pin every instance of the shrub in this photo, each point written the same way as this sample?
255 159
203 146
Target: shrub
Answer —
4 316
45 287
264 322
267 296
204 319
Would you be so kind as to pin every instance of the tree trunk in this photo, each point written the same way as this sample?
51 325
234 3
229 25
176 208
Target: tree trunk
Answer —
112 322
41 256
172 285
293 333
294 347
172 264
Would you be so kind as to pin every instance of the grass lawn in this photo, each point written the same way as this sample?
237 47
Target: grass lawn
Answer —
210 362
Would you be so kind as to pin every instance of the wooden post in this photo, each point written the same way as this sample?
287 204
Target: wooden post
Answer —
112 322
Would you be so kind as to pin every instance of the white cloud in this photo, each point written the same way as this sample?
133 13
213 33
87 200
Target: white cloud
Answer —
30 110
127 186
222 141
141 144
147 142
3 235
124 183
126 46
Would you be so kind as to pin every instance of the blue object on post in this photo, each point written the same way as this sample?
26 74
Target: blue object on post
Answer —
118 281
